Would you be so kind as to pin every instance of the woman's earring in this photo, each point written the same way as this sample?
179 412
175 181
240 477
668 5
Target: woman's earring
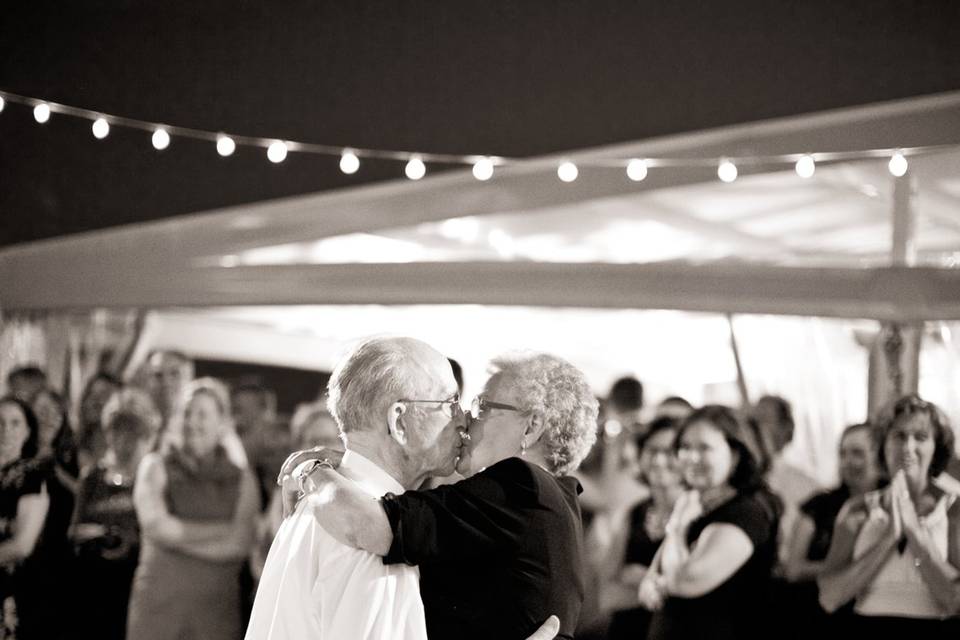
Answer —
523 446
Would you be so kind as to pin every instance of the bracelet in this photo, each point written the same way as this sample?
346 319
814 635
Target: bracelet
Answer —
323 463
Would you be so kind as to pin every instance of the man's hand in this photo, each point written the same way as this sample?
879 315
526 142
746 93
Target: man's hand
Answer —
296 463
548 630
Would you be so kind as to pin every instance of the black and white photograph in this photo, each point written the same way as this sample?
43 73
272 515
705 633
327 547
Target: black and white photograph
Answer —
425 320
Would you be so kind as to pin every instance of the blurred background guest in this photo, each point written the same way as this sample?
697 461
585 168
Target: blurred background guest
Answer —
105 530
312 426
165 375
24 504
90 437
645 530
197 507
673 407
266 440
24 382
710 576
859 474
895 550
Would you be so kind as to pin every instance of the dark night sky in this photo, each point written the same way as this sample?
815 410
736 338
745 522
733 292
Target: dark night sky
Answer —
518 78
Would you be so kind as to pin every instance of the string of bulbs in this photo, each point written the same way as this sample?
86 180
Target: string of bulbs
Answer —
483 166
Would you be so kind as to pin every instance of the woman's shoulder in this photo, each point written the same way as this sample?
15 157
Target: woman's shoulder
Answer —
26 475
525 480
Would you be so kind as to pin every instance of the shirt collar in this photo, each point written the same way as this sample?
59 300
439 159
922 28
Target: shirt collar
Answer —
370 476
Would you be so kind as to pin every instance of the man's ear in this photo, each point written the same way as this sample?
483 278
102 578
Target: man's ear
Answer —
395 425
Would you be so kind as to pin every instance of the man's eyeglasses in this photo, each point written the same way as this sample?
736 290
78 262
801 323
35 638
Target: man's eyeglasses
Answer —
481 405
454 408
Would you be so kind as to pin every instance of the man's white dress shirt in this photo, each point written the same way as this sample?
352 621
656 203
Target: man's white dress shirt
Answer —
314 588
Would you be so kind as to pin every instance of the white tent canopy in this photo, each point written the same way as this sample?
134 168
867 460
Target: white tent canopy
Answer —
769 243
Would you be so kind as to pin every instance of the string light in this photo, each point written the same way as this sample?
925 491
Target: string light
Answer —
41 112
482 166
101 128
483 169
160 139
225 145
567 171
277 151
898 165
727 171
349 162
637 169
415 168
806 166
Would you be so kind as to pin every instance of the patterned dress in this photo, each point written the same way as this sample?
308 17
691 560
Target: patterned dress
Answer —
17 479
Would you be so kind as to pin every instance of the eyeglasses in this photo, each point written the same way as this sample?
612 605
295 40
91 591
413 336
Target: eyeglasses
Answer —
454 404
480 405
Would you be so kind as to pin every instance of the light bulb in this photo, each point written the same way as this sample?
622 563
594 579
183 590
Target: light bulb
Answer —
349 162
3 103
637 169
101 128
483 169
41 112
277 151
727 171
806 166
415 168
226 146
898 165
161 139
567 172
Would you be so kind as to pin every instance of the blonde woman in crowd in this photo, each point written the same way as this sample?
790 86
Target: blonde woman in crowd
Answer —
197 505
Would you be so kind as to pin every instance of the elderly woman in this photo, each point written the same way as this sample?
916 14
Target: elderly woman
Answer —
501 550
24 504
105 530
896 551
710 576
197 509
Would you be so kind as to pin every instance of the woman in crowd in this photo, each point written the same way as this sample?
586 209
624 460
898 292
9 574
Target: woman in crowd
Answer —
896 551
499 551
646 528
91 444
24 505
710 575
105 532
197 510
859 473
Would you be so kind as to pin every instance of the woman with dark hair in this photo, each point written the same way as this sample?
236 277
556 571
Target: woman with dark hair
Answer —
23 509
896 551
105 530
710 575
91 443
646 528
859 473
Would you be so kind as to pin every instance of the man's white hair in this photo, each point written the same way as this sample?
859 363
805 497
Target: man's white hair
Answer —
558 392
378 372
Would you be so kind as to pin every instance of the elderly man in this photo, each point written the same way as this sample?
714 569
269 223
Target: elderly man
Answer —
395 401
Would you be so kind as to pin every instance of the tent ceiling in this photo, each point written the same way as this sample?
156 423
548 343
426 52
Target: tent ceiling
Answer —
770 242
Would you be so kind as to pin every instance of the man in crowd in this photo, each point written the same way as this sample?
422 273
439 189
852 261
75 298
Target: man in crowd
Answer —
26 382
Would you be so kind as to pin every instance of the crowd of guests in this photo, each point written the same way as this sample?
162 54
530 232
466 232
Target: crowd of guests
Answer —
731 541
150 518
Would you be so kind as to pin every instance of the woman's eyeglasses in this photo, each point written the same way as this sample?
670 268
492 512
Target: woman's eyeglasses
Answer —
481 405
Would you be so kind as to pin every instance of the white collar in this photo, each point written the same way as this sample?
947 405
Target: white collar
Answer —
368 475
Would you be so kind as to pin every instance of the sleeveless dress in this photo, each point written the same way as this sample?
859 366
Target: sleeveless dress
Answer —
898 597
177 596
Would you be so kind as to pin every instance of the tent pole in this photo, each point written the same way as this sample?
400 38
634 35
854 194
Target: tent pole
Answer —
894 365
